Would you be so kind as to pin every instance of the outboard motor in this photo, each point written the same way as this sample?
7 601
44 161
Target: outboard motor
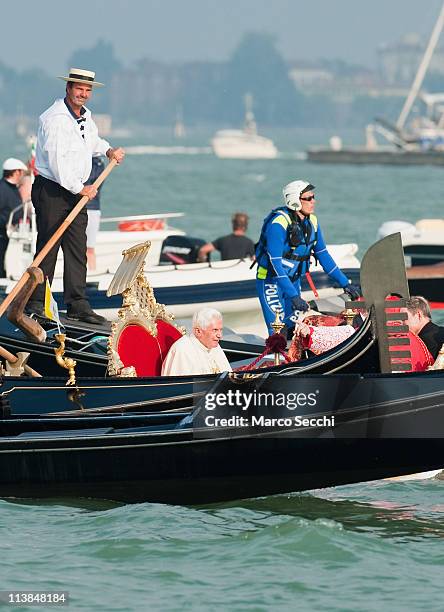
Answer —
180 250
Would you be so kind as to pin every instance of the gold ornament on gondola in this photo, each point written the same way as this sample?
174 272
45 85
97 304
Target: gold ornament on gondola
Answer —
65 362
349 315
139 307
277 326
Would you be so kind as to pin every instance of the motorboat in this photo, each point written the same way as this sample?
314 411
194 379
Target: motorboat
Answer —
423 241
110 243
423 244
241 144
179 282
360 414
245 143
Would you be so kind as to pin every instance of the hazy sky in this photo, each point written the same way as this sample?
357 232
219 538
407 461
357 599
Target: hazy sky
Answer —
46 32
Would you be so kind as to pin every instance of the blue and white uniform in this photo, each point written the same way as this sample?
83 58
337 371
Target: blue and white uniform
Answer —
283 256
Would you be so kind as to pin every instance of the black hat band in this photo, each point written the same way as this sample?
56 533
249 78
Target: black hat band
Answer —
80 76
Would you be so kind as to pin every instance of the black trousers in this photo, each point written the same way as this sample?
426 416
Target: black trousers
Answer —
52 205
4 241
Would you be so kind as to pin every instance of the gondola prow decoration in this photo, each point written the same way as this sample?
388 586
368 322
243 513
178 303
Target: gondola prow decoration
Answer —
380 292
65 362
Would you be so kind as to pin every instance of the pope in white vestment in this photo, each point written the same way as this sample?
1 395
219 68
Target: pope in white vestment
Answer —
189 356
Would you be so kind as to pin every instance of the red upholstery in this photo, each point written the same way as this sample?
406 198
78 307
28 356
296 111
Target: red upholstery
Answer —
137 347
420 357
167 335
321 320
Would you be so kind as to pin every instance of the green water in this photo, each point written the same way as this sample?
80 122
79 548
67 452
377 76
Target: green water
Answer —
363 547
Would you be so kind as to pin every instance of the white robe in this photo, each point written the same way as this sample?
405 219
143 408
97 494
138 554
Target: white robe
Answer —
189 356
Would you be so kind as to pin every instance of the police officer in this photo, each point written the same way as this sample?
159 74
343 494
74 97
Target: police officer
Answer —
290 235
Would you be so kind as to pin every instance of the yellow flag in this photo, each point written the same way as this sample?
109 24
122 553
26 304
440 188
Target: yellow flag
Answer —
51 308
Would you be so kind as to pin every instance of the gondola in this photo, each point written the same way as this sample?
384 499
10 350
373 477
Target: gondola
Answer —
162 448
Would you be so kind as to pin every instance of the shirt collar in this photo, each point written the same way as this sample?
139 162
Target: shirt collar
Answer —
71 112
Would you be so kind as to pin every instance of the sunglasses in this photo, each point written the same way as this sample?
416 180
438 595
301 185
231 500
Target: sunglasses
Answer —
308 199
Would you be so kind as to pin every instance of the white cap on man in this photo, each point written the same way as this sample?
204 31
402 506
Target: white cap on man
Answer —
14 164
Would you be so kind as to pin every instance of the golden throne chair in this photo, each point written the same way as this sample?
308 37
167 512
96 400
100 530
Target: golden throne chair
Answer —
144 331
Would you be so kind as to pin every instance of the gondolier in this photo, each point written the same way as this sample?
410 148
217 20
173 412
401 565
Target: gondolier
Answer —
290 236
66 141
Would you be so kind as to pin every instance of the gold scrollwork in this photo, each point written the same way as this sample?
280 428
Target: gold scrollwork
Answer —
65 362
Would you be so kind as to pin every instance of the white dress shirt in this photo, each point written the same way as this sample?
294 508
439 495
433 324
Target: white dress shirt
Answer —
189 356
63 155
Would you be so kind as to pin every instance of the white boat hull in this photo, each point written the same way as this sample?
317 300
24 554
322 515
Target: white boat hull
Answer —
237 144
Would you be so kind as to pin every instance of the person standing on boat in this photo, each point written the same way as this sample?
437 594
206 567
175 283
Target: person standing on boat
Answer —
233 246
13 172
93 212
419 321
290 236
198 353
67 139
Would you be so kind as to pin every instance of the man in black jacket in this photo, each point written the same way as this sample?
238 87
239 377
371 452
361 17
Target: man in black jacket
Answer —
13 171
419 320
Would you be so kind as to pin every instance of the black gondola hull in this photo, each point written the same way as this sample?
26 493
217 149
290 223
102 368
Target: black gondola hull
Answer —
400 433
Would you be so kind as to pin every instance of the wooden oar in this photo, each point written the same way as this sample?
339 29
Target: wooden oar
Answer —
54 238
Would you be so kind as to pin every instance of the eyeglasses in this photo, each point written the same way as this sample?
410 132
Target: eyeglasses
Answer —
308 199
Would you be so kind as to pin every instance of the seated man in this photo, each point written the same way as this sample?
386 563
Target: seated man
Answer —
234 246
419 320
198 353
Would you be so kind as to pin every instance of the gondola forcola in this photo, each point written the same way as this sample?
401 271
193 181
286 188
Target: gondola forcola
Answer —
144 438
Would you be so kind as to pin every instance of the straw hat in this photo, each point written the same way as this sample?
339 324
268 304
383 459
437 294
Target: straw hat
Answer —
76 75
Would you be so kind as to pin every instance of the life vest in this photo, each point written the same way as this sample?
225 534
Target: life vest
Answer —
295 238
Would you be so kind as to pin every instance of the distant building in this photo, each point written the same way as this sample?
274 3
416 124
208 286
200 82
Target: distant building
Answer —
399 61
335 79
310 76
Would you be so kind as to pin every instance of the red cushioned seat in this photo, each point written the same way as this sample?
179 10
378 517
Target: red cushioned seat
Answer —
420 357
137 347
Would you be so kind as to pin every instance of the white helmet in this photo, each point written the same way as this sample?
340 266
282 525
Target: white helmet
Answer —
293 191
